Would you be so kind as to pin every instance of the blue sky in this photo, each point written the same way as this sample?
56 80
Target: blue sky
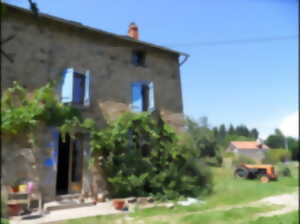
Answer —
242 82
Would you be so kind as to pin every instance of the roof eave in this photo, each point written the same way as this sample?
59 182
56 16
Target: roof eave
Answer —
80 25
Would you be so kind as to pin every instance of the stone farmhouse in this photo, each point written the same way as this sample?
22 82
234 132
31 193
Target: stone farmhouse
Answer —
102 73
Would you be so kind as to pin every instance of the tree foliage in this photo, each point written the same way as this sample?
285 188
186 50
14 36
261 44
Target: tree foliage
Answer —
142 156
238 133
204 142
275 156
276 140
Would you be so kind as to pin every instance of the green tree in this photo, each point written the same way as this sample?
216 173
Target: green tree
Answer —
293 147
142 156
277 140
242 130
215 131
254 133
203 138
231 130
222 132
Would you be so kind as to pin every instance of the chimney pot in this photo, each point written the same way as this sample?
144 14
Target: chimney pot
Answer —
133 31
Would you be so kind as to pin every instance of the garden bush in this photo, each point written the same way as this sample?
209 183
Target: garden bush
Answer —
229 154
142 156
243 159
274 156
285 172
213 161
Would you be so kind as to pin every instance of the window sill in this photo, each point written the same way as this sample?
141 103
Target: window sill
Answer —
78 106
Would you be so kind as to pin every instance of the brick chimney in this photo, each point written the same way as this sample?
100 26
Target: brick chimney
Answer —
133 31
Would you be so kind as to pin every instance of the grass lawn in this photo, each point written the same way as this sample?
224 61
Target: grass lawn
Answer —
227 191
289 218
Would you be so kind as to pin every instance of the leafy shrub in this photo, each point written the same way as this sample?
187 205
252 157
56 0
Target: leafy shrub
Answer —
274 156
229 154
285 172
213 161
142 156
243 159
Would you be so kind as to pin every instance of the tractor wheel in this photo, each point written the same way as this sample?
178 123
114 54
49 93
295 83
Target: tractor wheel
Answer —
241 172
264 179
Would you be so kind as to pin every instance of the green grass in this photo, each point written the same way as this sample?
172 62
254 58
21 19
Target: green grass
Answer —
104 219
236 215
231 191
243 191
289 218
227 191
4 221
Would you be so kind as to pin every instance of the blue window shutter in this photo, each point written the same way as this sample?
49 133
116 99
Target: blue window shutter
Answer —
87 88
137 102
151 97
67 86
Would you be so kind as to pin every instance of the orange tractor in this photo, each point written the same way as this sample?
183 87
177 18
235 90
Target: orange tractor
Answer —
263 172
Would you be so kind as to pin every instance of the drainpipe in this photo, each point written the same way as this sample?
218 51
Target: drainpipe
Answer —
186 56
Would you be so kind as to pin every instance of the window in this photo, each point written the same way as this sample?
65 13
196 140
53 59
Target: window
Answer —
138 58
78 88
142 96
75 87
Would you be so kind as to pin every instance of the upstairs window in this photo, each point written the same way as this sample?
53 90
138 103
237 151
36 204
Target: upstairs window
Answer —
75 87
78 88
142 96
138 58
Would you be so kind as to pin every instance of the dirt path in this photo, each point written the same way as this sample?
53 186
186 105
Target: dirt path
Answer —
289 201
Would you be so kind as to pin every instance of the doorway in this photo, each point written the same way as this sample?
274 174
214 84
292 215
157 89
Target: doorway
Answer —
63 161
69 165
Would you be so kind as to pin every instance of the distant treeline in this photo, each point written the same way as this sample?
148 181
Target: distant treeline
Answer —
241 130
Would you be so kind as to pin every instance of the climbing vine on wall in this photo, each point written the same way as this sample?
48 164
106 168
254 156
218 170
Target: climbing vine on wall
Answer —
23 111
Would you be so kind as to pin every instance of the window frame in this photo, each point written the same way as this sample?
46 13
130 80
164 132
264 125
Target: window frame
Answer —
68 88
138 58
138 101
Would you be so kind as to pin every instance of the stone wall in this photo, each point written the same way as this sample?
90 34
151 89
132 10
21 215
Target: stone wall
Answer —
19 160
43 50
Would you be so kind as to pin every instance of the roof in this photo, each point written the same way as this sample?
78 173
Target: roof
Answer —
102 32
248 145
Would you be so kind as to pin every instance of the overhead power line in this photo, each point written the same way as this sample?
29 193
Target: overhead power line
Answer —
237 41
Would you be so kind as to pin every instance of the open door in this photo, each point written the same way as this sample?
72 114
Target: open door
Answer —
69 166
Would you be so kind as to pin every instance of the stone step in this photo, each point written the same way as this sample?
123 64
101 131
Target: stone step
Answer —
67 196
66 204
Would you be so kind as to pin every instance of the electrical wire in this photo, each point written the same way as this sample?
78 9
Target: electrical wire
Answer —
238 41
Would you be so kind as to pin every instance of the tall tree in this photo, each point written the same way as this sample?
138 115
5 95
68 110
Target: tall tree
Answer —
277 140
293 147
222 132
254 133
203 138
215 131
231 130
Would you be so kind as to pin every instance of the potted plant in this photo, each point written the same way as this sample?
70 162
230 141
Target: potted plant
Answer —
118 204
